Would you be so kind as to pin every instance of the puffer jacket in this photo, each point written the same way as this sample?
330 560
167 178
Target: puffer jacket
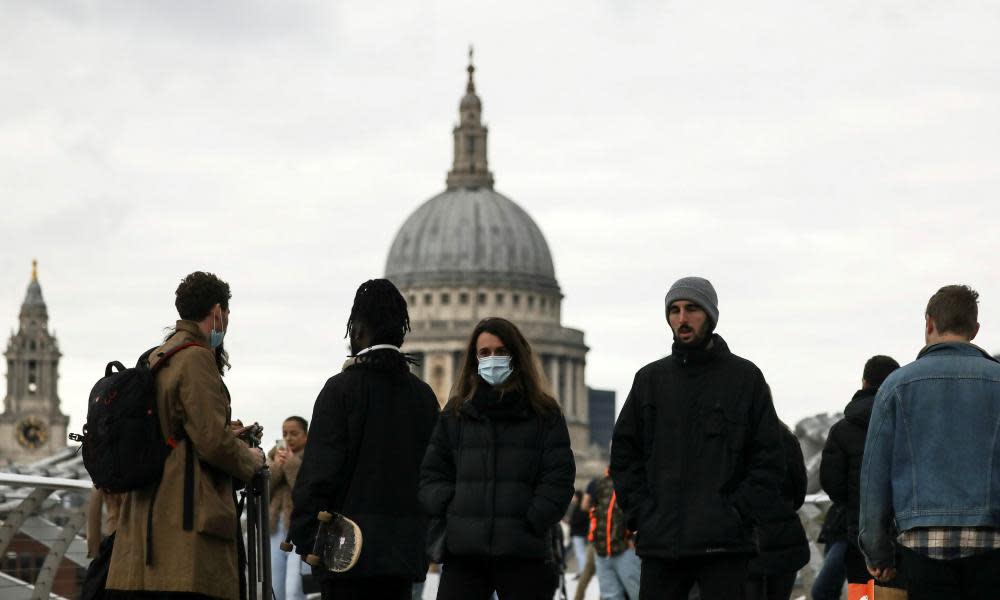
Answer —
499 474
840 470
368 433
696 453
783 543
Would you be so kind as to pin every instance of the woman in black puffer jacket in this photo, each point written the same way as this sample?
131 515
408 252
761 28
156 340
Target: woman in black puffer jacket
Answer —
499 472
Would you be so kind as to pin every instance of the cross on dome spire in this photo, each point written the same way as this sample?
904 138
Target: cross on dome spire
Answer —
470 88
470 168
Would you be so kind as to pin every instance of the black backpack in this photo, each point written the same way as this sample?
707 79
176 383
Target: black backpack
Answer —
122 445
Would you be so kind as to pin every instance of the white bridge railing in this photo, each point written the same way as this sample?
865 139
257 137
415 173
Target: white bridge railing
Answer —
43 515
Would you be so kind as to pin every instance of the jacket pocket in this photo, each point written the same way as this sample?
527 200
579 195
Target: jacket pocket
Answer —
214 511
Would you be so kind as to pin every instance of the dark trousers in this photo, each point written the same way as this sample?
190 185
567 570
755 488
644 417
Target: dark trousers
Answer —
829 583
475 578
973 578
366 588
718 577
771 587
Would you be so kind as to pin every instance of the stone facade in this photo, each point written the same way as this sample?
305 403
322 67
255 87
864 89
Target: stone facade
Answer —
32 425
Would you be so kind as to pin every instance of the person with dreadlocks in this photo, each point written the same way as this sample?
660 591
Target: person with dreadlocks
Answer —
499 472
370 427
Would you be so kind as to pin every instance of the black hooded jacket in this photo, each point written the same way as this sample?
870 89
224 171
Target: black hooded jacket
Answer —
370 427
783 543
500 474
840 469
696 454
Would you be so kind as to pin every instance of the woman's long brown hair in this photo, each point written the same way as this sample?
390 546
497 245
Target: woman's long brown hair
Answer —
527 377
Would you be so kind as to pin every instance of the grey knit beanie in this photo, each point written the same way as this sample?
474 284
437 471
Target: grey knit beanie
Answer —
697 290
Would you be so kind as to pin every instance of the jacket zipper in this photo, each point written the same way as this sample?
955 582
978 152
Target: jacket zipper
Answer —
493 482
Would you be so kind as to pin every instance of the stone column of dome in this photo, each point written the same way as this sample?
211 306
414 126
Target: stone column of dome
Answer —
582 406
566 393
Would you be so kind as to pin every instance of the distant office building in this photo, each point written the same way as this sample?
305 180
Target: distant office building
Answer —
602 417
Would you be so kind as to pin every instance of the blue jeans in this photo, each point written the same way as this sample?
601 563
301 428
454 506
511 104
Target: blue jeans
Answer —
829 581
286 570
579 551
618 576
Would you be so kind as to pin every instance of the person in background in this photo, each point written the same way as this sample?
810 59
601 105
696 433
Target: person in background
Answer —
499 471
618 568
840 469
829 582
784 548
284 460
579 524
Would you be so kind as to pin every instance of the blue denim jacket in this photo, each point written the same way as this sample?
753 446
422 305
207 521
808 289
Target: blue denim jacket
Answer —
931 456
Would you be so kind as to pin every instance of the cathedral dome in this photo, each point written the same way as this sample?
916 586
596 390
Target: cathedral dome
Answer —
471 236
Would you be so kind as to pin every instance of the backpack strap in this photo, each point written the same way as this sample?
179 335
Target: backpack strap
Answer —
165 356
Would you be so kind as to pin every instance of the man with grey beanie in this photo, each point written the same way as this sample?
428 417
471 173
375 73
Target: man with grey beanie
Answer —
696 455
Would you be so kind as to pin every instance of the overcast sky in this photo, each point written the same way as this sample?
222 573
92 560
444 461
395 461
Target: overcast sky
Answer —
827 165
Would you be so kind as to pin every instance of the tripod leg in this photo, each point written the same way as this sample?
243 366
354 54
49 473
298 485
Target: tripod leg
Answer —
265 534
252 513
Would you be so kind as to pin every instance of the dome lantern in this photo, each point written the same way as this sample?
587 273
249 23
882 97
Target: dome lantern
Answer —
469 168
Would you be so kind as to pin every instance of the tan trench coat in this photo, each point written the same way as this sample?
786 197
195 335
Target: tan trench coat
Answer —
190 397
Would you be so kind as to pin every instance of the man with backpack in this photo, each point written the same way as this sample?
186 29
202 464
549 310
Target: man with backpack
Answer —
178 538
618 567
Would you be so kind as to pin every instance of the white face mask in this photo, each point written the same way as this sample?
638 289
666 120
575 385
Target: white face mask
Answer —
495 369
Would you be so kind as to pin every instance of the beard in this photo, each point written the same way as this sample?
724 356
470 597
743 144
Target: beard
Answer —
700 338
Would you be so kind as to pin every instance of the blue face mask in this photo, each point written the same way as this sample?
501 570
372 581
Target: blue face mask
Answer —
495 369
215 337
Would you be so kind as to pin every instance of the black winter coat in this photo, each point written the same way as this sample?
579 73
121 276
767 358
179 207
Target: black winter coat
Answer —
500 475
840 468
783 544
370 428
696 453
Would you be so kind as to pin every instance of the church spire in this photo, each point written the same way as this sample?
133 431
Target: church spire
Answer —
33 310
470 168
34 295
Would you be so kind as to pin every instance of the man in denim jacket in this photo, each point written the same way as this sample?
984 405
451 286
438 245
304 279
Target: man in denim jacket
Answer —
931 469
